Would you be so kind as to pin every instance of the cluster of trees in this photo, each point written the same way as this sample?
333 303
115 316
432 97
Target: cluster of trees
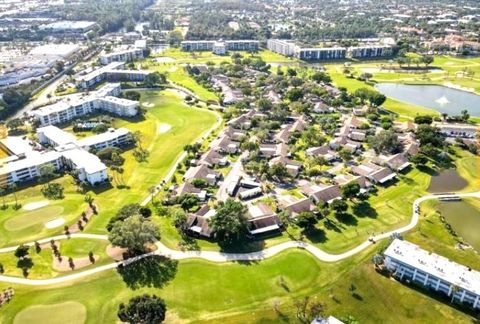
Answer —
374 97
148 309
111 15
12 99
132 229
386 142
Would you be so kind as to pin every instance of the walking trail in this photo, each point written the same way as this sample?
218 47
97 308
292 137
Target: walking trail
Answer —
219 256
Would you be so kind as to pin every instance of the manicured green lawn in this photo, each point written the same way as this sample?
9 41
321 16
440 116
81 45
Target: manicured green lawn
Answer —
68 312
245 292
187 124
32 218
42 262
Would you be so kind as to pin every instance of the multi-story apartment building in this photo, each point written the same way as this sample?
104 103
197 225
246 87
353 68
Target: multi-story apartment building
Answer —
123 55
283 47
112 72
409 262
320 54
289 48
103 99
370 51
220 46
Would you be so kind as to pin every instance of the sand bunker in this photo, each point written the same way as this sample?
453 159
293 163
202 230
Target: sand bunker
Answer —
164 59
163 128
78 263
148 104
36 205
55 223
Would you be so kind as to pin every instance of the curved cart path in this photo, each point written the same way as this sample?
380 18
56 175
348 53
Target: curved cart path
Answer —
219 256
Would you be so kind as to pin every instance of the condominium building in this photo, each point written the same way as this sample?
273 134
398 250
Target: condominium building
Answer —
283 47
220 46
122 55
21 168
290 48
321 54
27 157
103 99
409 262
114 72
371 51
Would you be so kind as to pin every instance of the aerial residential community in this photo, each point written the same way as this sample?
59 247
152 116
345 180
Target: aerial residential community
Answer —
225 161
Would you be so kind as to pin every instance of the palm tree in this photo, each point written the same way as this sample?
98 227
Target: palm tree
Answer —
377 260
13 188
3 192
454 290
152 190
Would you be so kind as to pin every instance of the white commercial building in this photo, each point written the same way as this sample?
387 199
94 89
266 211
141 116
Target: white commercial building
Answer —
409 262
76 106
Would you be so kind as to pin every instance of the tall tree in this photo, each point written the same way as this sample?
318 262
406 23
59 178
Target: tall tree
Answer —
134 233
229 220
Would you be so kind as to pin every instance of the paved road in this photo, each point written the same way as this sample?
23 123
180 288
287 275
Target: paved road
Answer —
42 99
224 257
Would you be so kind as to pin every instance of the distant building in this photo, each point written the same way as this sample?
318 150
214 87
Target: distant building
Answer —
114 72
283 47
123 55
220 46
409 262
69 26
290 48
369 51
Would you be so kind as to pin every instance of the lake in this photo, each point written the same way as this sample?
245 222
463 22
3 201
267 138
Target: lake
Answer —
464 218
439 98
447 181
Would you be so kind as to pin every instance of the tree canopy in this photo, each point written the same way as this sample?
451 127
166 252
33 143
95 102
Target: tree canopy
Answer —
147 309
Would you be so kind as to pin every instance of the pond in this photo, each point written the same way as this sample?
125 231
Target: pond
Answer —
447 181
464 218
439 98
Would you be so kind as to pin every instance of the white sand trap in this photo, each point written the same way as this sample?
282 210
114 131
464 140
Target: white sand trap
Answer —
36 205
148 104
164 59
55 222
163 128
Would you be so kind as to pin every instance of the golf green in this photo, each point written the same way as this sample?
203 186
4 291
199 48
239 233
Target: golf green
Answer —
34 217
68 312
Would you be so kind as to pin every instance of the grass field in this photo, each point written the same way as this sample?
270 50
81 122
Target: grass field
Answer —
450 70
199 291
187 124
68 312
42 262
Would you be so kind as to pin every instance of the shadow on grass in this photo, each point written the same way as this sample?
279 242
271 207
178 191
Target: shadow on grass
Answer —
428 170
154 271
315 235
347 219
364 209
331 226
